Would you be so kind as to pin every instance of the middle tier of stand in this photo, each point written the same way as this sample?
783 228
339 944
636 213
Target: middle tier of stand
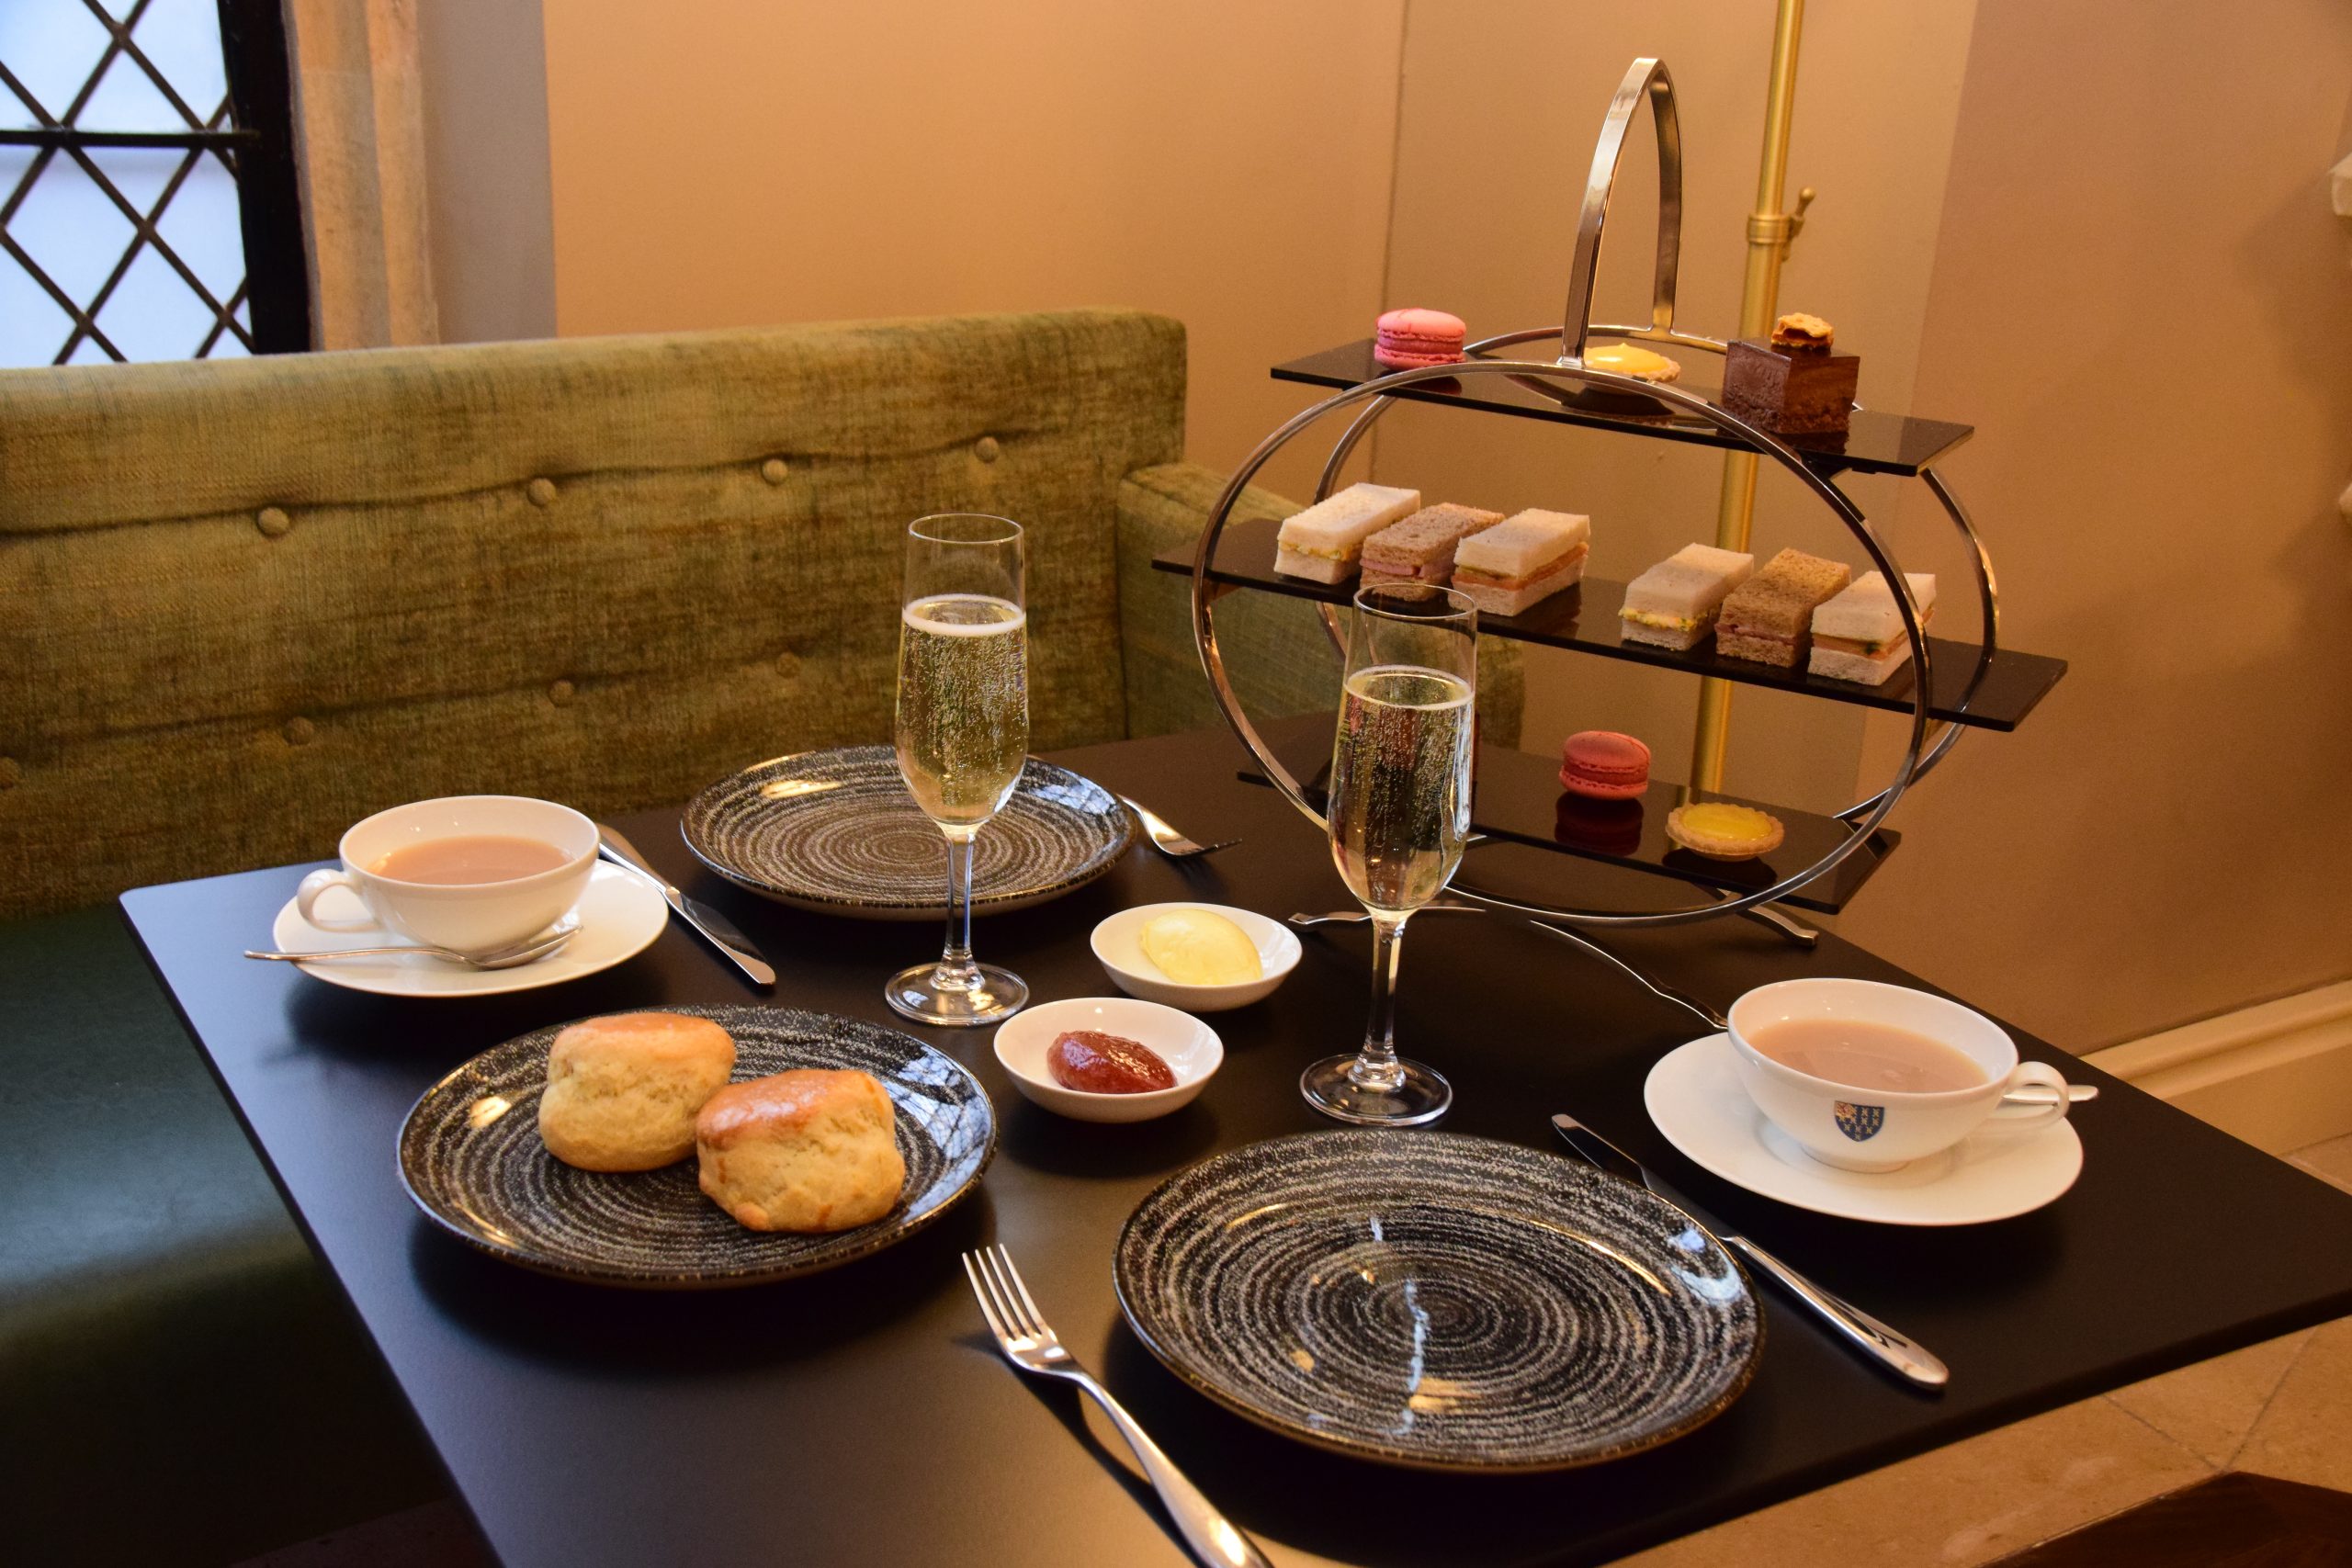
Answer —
1584 619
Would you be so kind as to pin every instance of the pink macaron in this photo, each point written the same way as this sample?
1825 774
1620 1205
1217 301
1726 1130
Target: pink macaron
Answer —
1604 765
1412 337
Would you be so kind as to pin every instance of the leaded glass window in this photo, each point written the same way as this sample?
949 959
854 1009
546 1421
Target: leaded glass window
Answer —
147 190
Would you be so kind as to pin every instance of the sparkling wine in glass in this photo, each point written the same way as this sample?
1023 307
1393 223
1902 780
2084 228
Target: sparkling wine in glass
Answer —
963 734
1399 812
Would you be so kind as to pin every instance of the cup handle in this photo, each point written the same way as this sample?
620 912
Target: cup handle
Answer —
2046 1076
306 898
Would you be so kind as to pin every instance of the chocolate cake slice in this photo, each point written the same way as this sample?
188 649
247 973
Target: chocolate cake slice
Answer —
1795 384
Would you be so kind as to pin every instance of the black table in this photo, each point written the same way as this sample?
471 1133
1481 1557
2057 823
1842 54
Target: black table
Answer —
861 1417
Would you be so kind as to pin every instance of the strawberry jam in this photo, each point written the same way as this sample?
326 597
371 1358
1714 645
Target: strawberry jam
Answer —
1095 1063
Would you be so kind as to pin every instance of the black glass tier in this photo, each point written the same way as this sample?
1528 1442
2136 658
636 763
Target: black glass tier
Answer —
1518 797
1584 619
1877 443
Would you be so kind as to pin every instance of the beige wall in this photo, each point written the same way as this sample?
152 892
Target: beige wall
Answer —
492 225
2027 216
2142 300
1224 161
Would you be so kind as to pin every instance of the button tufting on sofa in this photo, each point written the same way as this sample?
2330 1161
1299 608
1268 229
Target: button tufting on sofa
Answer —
11 772
561 692
193 1343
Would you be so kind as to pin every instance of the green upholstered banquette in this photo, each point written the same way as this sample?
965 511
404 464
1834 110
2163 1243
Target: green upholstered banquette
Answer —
243 603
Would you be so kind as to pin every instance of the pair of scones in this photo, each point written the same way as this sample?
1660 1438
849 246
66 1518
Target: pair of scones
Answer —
806 1150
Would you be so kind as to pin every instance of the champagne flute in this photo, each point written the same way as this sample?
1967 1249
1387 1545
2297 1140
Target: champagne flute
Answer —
1399 811
963 734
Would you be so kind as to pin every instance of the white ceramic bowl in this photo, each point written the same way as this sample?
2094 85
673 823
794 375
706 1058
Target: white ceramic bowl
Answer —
1190 1047
1118 944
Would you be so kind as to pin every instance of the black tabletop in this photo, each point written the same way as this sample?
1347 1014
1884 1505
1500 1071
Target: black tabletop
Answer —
861 1417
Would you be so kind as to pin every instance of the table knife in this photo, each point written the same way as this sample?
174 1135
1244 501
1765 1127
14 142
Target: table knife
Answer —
713 927
1896 1352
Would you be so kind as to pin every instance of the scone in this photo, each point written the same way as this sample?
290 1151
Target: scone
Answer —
806 1150
622 1091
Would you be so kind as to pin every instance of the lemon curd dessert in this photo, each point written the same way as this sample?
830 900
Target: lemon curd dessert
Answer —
1625 359
1721 830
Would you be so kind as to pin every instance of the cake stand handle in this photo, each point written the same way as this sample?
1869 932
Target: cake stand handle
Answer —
1646 78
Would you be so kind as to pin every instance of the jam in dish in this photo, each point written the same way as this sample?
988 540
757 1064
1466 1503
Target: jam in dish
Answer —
1095 1063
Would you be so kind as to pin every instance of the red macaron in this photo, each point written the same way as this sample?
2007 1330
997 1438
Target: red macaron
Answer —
1604 765
1413 338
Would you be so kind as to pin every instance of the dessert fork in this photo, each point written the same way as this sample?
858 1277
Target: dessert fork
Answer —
1029 1344
1165 837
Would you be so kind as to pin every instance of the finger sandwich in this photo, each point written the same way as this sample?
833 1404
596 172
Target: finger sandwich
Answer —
1324 542
1673 605
1523 560
1420 549
1858 635
1769 617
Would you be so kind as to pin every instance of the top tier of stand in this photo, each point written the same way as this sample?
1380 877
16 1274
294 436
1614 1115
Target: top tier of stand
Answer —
1877 443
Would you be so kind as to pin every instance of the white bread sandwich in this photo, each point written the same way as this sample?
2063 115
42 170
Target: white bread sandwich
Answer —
1674 604
1857 636
1523 560
1324 542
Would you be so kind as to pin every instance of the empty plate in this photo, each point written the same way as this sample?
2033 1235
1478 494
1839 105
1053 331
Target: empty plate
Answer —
472 1156
1438 1301
837 832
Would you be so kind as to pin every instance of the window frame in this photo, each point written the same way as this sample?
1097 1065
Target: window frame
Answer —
256 147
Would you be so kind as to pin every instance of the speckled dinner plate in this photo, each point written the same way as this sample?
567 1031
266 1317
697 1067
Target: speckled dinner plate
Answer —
471 1157
837 832
1438 1301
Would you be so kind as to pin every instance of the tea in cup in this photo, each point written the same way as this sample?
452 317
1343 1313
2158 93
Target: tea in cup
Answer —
468 872
1871 1077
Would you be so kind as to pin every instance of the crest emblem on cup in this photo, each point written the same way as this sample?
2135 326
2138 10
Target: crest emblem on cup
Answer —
1859 1122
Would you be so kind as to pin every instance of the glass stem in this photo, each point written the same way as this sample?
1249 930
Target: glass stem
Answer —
1376 1066
957 971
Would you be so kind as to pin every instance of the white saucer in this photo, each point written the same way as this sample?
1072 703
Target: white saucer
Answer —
620 914
1694 1097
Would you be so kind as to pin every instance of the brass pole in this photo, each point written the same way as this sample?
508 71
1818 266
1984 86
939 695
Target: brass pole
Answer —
1769 230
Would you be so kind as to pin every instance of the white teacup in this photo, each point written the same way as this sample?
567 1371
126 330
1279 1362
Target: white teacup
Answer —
1866 1129
467 916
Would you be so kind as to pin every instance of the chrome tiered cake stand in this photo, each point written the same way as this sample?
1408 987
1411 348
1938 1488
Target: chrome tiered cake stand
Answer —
1951 686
